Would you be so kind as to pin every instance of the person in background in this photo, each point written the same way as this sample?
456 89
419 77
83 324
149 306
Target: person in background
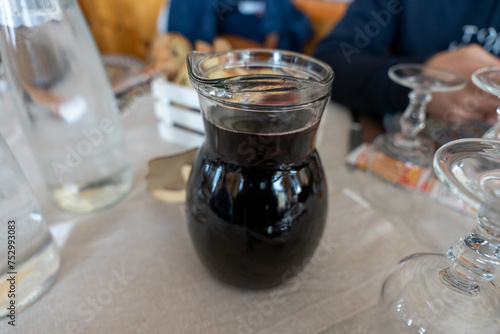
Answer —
269 23
458 35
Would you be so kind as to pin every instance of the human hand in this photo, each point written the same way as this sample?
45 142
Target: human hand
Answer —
470 103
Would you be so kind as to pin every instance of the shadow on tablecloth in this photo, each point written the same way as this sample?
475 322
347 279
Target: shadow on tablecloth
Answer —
358 323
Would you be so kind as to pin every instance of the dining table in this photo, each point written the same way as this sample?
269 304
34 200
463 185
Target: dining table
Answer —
132 268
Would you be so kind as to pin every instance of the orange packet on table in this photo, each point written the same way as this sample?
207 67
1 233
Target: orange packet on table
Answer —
399 172
406 174
410 176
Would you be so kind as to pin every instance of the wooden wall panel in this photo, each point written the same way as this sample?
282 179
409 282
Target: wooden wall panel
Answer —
122 26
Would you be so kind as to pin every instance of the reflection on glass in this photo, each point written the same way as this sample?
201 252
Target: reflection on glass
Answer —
453 293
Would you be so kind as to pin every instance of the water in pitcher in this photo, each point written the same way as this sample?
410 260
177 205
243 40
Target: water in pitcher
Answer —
70 118
29 257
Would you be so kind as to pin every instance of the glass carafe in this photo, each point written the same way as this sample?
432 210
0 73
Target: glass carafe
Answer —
257 195
65 103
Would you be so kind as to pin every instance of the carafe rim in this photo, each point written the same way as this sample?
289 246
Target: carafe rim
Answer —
313 76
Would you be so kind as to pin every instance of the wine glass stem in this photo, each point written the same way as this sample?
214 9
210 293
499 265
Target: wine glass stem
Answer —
475 258
413 119
494 131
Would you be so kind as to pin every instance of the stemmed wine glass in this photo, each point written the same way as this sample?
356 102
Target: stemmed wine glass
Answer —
430 293
407 146
488 79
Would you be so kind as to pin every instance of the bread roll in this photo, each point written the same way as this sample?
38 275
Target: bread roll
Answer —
169 52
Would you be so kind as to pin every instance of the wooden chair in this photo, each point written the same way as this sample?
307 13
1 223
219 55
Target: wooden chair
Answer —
122 26
323 15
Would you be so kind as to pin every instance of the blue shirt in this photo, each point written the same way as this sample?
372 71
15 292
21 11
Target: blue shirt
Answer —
253 19
376 34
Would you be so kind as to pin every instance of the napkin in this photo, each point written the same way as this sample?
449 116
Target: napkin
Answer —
167 176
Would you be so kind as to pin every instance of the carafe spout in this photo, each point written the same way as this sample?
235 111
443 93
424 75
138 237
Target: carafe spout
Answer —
193 62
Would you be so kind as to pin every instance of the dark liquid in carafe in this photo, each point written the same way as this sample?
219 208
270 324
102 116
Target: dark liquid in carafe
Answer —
256 204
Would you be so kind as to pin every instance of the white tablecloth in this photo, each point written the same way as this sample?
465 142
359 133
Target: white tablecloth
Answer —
133 269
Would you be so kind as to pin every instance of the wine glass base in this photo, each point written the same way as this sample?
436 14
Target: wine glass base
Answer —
402 162
418 297
419 151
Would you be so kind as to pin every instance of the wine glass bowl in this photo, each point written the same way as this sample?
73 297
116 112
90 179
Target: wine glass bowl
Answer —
471 169
426 78
488 79
453 293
